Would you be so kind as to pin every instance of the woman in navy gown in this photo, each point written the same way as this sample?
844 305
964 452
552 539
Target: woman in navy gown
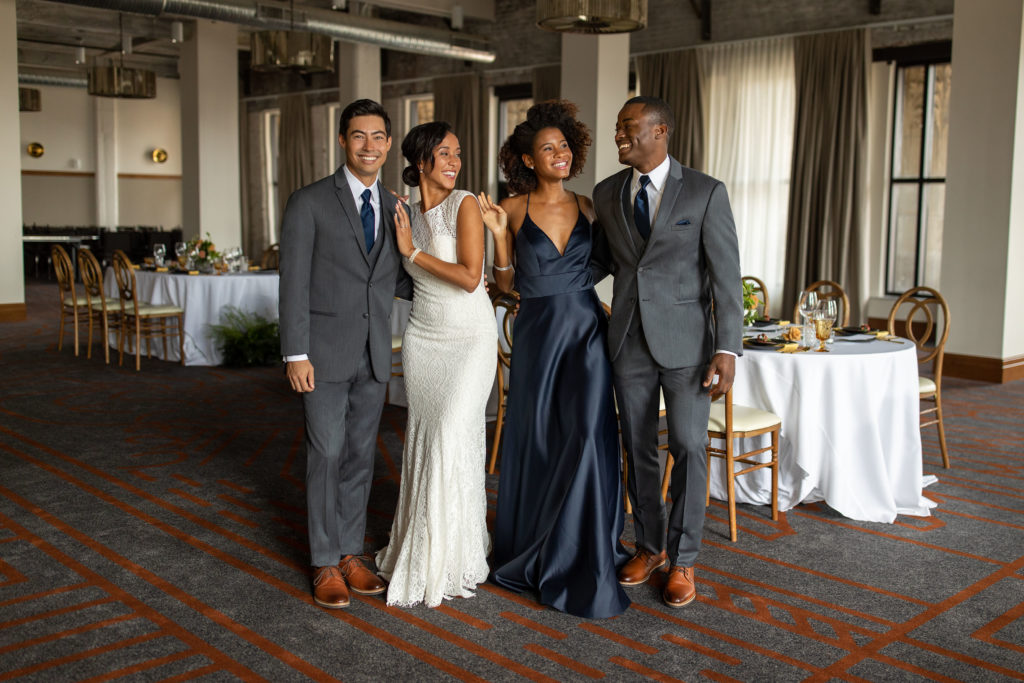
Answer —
559 512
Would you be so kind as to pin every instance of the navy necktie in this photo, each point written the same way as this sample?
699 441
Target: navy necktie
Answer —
642 210
366 216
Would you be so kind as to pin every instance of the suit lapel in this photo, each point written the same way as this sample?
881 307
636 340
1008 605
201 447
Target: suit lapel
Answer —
673 185
386 234
621 219
348 205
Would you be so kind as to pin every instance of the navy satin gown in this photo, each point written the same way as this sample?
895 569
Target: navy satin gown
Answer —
559 512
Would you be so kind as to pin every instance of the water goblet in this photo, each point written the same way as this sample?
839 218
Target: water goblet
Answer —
822 330
159 252
180 250
808 305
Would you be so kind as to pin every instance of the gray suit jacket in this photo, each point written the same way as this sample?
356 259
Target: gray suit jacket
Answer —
685 282
334 297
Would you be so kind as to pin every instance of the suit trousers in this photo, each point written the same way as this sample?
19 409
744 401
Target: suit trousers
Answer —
638 378
342 419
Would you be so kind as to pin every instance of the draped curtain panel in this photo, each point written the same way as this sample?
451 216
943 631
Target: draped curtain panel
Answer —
255 223
547 83
750 114
676 78
295 154
457 100
827 190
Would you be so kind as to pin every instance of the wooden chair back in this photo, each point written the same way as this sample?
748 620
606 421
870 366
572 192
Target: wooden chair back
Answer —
762 294
926 324
827 289
125 275
271 258
505 305
92 275
65 273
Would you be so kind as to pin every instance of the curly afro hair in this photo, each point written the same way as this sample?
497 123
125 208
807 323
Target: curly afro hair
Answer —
560 114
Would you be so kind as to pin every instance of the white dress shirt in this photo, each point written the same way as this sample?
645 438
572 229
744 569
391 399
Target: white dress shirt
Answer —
655 189
357 188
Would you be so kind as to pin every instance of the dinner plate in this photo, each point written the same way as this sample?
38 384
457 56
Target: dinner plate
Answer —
851 329
750 341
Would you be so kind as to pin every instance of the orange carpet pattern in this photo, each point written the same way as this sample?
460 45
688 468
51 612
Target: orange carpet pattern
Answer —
152 527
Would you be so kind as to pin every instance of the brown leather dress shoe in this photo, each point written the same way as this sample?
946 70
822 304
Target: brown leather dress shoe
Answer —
640 568
679 589
329 589
359 577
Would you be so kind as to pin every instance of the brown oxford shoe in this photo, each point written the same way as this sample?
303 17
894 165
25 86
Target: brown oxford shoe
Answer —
640 568
359 577
679 589
329 589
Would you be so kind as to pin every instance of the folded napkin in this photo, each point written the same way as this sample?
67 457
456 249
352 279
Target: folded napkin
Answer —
789 348
781 323
161 269
882 334
254 268
193 272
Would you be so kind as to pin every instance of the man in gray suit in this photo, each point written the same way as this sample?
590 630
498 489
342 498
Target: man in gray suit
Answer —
666 233
340 272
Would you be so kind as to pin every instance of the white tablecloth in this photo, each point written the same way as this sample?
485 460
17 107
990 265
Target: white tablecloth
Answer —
203 297
850 433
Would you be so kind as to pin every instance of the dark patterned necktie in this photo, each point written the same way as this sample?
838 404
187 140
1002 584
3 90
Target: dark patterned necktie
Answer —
642 210
366 216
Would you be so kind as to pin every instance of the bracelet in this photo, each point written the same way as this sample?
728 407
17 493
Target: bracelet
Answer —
502 268
412 257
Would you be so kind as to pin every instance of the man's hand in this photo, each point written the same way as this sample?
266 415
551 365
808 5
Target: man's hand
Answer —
723 365
300 375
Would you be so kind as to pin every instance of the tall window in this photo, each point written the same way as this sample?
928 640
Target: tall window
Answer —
513 103
917 189
271 147
419 109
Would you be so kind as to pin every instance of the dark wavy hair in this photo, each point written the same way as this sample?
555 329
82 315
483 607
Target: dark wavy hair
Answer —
560 114
363 108
418 146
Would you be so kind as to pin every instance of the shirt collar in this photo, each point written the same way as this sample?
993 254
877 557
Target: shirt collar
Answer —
658 175
357 187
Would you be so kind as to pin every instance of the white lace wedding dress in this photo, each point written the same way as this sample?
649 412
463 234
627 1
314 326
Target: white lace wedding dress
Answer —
439 541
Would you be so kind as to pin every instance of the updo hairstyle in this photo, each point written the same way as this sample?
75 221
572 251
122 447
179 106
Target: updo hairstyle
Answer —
560 114
418 147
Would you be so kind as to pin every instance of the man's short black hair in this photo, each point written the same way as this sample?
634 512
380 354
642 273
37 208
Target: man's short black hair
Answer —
363 108
657 109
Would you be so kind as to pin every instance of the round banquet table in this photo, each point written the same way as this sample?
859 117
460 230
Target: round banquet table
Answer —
203 297
850 431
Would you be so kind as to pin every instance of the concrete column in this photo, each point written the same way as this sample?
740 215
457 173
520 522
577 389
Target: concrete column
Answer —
107 200
983 233
211 183
358 69
595 75
12 276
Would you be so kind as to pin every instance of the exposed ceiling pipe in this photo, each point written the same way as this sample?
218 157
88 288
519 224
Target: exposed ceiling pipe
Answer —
392 35
59 81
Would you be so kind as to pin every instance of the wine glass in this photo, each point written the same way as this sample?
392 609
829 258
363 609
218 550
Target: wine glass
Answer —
159 251
180 249
822 329
808 305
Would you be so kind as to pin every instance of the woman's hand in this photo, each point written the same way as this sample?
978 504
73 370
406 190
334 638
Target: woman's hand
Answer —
403 231
494 216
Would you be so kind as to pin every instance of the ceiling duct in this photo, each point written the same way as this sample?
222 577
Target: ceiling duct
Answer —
592 16
53 80
392 35
29 100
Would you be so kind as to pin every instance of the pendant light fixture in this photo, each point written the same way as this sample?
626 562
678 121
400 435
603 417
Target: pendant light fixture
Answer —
118 80
592 16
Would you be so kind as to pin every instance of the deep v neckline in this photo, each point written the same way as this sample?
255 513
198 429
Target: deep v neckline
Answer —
572 233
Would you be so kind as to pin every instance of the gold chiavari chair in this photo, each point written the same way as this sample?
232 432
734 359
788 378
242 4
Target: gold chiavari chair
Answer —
927 325
71 303
271 258
729 422
102 309
146 321
827 289
762 294
505 306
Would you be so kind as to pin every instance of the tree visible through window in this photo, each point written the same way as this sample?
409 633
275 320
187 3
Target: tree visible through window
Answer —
917 190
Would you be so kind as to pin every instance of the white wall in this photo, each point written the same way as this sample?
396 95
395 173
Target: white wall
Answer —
146 124
65 127
12 283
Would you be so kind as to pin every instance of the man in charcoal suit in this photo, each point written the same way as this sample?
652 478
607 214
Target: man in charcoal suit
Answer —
666 233
340 271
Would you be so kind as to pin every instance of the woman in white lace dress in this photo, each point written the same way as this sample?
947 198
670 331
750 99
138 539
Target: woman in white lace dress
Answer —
439 542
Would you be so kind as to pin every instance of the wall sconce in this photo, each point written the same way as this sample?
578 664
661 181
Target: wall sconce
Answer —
35 150
159 155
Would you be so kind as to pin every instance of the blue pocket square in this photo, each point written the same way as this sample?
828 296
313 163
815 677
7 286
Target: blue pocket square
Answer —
685 221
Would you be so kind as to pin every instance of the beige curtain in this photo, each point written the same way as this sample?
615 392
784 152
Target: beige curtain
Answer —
547 83
255 226
676 77
295 154
458 100
827 187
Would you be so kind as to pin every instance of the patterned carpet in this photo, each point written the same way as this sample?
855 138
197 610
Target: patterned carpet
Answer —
152 527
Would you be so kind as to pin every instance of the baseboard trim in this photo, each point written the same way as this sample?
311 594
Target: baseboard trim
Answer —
12 313
997 370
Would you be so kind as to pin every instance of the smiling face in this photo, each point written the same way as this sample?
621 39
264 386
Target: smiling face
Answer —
552 156
642 144
447 158
366 144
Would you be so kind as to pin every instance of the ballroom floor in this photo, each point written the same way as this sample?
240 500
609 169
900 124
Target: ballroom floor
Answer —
152 527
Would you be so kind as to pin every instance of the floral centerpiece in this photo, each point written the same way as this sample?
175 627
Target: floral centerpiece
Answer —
203 252
750 303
